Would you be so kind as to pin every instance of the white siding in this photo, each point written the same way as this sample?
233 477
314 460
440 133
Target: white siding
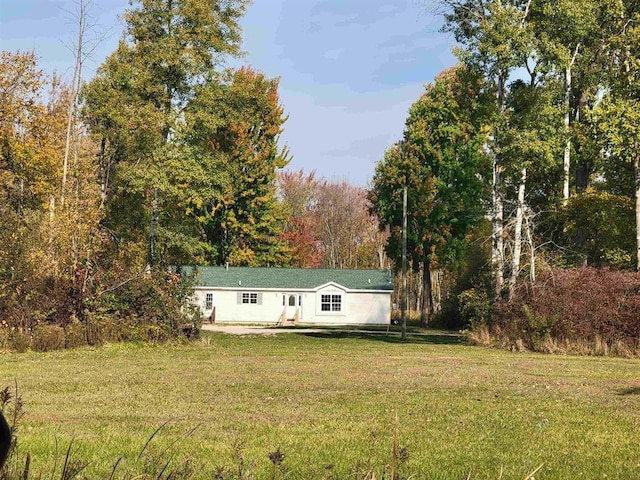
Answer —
358 308
229 308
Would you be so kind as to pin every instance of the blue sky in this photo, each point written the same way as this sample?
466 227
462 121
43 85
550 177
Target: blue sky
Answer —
349 69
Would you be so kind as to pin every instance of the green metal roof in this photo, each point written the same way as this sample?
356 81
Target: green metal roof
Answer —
290 278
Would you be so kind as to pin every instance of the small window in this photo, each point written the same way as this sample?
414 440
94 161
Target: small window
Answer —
331 303
292 300
208 301
249 298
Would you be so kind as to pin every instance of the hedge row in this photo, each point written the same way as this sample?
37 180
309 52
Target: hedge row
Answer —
582 310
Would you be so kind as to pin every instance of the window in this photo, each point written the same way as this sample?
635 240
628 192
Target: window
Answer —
331 303
249 298
208 301
292 300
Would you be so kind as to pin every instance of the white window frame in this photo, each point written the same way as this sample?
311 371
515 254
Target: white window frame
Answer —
208 301
249 298
331 303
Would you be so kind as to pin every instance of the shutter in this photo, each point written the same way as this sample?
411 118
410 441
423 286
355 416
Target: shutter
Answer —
259 298
239 297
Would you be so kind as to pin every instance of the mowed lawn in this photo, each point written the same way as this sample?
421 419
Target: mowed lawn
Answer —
331 403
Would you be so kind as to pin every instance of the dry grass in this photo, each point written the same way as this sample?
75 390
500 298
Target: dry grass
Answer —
483 336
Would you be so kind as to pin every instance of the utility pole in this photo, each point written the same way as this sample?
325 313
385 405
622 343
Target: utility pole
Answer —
403 302
153 231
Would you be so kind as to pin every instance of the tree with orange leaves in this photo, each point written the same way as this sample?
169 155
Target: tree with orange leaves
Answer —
243 224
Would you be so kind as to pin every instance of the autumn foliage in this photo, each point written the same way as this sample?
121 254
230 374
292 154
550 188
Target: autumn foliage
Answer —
328 224
573 310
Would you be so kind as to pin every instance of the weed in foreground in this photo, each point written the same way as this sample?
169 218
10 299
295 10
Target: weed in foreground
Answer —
160 465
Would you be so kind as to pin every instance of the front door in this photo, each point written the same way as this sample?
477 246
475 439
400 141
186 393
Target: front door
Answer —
293 303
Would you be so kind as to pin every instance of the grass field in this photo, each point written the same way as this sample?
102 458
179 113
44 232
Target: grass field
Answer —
331 404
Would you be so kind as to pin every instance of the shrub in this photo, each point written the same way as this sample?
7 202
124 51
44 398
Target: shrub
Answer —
75 334
19 340
566 308
475 307
4 336
598 229
56 313
48 337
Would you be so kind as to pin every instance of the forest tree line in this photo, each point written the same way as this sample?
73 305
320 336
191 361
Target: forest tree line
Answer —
523 158
166 157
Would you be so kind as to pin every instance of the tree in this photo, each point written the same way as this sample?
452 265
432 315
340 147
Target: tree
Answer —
440 161
42 239
245 221
600 228
28 163
136 109
298 193
569 40
22 202
345 228
329 224
497 40
531 143
618 115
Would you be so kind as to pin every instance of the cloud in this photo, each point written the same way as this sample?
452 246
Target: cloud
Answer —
349 69
406 59
334 53
49 28
356 12
358 148
16 13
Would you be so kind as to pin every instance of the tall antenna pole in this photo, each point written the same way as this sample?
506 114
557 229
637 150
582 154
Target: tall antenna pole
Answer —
403 302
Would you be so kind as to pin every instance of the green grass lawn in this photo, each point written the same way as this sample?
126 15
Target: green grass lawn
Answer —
331 403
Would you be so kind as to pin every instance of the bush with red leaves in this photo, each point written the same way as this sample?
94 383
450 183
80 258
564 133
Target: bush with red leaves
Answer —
574 305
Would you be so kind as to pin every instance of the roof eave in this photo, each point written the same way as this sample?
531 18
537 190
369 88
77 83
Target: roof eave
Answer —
241 288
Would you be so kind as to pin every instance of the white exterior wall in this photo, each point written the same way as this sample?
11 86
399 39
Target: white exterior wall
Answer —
370 308
228 310
357 307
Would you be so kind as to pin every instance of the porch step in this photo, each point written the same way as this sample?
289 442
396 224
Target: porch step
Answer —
287 323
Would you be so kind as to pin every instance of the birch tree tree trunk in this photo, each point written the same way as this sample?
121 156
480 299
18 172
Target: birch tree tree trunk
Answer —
436 291
72 107
427 299
566 161
636 171
73 101
517 236
532 249
496 42
497 241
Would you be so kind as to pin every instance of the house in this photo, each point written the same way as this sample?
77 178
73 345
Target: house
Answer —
301 295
